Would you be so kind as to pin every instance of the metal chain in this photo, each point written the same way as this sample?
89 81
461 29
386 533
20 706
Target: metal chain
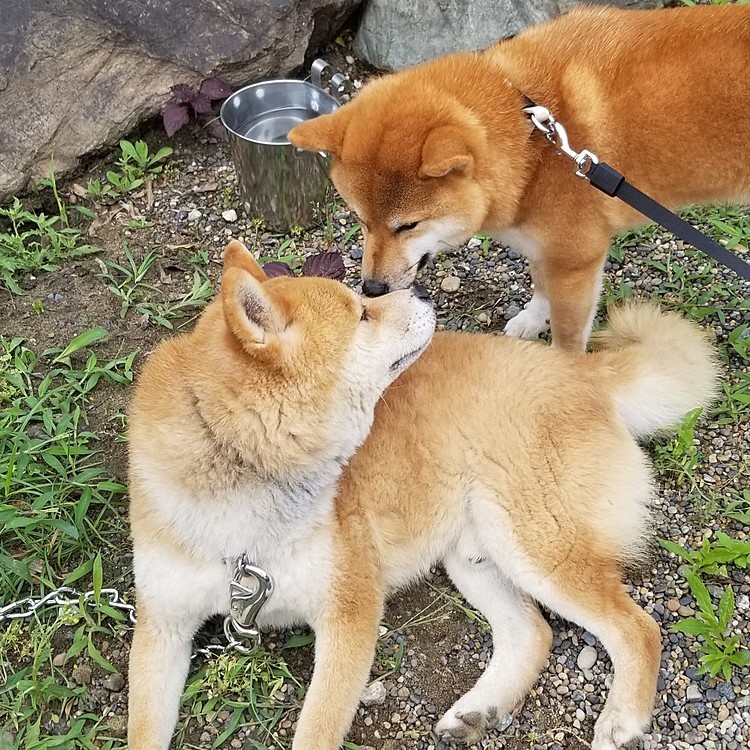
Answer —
65 596
246 600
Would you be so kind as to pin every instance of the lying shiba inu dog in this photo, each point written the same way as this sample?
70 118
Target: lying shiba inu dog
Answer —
431 155
241 441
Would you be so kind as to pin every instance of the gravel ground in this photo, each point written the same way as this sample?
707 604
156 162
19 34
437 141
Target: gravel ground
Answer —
478 287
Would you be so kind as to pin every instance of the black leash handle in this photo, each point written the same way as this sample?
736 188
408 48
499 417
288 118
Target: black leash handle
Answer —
612 183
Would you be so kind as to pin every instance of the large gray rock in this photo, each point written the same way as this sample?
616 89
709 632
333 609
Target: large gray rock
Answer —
394 34
78 74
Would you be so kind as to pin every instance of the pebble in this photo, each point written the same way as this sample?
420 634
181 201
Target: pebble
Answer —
229 216
588 638
118 725
587 658
82 674
194 215
723 713
725 690
450 284
693 693
115 682
59 660
373 695
511 311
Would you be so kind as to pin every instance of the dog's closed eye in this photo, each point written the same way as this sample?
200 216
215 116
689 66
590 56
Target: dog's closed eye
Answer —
407 227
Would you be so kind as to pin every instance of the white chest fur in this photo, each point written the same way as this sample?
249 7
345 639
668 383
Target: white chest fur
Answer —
287 533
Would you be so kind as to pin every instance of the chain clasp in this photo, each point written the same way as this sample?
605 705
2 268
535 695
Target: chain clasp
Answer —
248 592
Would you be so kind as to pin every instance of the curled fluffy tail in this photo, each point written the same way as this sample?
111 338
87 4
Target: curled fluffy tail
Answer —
660 366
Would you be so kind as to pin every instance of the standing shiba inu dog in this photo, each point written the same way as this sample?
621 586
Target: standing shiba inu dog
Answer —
240 436
431 155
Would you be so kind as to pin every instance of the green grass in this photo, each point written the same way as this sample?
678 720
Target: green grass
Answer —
134 168
128 282
37 698
60 512
32 241
258 692
57 503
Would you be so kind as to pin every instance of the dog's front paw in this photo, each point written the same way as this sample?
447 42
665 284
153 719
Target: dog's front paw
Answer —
529 323
615 729
466 726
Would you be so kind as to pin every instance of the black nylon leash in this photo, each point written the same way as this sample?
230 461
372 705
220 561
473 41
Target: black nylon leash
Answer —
610 182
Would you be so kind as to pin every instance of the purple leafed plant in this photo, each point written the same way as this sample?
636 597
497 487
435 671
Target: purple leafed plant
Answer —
200 103
328 265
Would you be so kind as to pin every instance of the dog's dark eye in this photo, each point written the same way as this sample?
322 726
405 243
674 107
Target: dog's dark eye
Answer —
407 227
365 314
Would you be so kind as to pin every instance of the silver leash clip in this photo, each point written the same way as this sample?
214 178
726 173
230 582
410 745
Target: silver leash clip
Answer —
248 592
556 134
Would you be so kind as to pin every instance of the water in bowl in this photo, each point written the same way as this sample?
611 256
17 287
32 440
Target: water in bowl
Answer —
274 126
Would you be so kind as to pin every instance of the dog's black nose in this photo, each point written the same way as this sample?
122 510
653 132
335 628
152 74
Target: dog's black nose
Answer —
372 288
420 292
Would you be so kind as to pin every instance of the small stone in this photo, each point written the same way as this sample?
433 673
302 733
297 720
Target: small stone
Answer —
118 725
725 690
194 215
59 660
673 605
723 713
115 682
473 243
82 675
374 695
587 658
693 693
482 318
694 737
450 284
512 311
588 638
229 216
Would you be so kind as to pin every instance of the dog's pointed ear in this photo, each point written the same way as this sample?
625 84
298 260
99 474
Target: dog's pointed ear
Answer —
323 133
248 310
445 150
236 255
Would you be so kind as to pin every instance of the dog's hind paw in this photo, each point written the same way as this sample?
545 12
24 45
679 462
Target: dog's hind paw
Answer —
614 731
531 322
467 727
